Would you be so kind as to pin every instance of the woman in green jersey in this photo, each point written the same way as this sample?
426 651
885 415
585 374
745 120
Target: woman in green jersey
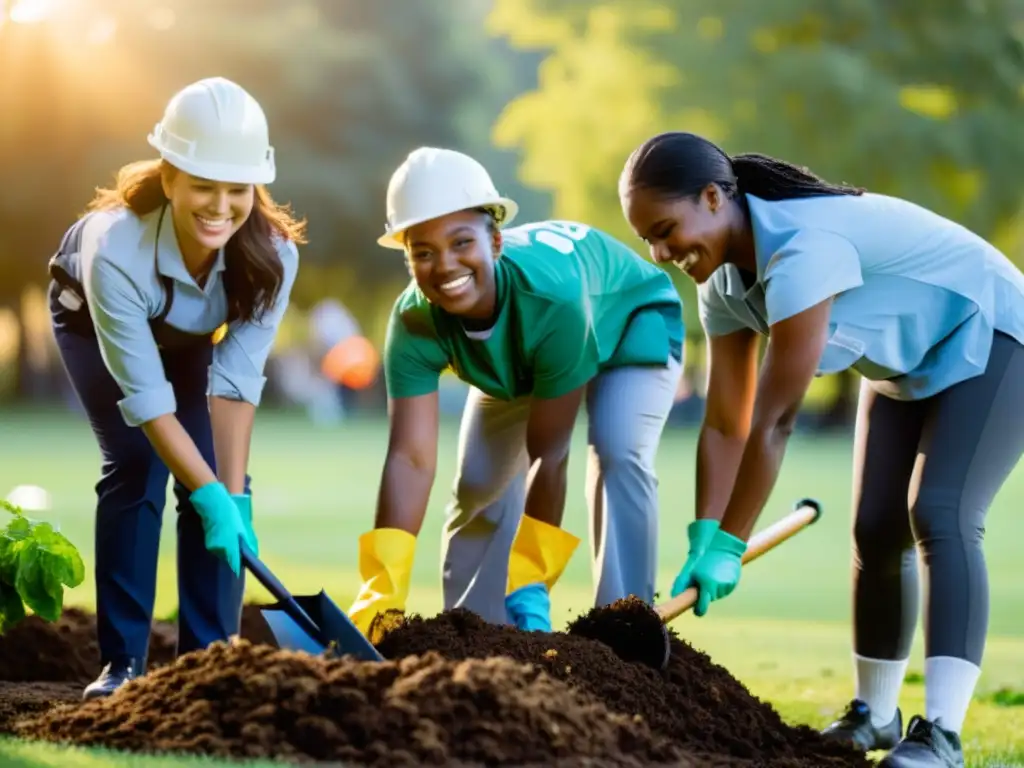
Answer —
536 319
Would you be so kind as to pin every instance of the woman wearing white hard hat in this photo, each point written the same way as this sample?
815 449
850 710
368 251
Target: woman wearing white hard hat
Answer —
185 248
537 319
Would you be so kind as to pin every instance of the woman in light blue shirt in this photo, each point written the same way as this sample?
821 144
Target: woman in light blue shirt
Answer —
932 317
166 298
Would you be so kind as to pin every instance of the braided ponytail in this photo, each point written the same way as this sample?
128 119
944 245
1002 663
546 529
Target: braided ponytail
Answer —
681 165
772 179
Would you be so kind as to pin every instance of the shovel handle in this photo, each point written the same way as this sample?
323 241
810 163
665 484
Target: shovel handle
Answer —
274 586
807 512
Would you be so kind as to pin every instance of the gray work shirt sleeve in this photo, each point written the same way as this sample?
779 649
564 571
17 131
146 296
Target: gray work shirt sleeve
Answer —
241 356
121 319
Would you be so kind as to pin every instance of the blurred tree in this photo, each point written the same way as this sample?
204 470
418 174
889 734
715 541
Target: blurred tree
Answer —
873 92
349 89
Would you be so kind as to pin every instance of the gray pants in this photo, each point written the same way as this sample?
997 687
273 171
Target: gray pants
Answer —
925 473
627 409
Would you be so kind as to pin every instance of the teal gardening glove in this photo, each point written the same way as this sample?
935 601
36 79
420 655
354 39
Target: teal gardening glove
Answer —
244 502
717 572
700 532
222 522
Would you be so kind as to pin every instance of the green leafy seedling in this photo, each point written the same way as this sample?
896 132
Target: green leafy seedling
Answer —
36 563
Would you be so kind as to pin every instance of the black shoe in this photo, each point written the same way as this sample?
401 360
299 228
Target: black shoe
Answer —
927 745
114 675
855 728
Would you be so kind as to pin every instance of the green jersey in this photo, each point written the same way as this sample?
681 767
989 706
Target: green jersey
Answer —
572 301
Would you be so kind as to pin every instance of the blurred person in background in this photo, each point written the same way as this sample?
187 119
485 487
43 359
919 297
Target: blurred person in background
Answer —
932 317
330 324
184 246
537 319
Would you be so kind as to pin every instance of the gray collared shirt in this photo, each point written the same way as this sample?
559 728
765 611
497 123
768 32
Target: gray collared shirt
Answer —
124 290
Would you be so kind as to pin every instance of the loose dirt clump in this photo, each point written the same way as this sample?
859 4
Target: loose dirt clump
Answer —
247 701
43 664
20 700
631 628
66 651
695 702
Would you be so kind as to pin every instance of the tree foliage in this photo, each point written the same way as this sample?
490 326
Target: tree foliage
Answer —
348 87
879 93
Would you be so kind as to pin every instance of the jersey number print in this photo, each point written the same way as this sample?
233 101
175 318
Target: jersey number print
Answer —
560 235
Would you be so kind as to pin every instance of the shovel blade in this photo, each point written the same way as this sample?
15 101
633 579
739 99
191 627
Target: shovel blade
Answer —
338 635
288 635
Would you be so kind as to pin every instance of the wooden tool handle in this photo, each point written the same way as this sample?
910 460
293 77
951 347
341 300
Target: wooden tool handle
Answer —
807 511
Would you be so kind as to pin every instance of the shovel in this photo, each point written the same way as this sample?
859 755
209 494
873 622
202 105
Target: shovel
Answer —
310 623
640 635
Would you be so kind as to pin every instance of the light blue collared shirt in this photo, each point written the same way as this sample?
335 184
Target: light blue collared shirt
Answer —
124 291
917 296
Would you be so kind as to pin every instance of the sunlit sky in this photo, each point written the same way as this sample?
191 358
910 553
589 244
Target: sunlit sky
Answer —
29 11
99 26
58 15
78 39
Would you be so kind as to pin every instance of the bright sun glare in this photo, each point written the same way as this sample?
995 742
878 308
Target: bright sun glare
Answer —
30 11
78 42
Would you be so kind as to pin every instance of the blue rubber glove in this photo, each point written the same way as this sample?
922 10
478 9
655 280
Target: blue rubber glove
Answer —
530 608
244 502
717 572
222 522
700 532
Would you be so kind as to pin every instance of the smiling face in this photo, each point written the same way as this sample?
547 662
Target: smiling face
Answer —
205 213
692 234
452 260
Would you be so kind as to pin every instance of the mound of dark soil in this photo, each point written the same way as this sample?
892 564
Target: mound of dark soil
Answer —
20 700
66 651
455 691
43 664
241 700
694 702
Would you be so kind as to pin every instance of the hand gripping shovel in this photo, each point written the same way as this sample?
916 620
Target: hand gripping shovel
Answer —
310 623
639 634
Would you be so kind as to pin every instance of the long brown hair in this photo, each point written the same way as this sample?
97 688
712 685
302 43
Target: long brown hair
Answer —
253 270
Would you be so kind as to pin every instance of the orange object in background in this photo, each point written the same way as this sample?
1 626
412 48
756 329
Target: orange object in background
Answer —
352 363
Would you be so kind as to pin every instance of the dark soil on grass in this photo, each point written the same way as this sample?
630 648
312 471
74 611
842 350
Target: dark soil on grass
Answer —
43 663
66 651
695 702
454 691
242 700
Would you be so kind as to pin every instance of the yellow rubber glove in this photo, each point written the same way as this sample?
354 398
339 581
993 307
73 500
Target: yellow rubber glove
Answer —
539 554
385 565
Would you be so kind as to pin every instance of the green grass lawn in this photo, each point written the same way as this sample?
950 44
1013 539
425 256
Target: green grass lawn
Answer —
785 633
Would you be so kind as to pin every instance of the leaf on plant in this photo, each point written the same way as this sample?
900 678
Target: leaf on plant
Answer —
8 561
36 563
46 563
19 528
32 585
11 608
12 537
64 565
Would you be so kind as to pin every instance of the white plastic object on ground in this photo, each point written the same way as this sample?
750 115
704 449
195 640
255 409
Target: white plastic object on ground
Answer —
31 498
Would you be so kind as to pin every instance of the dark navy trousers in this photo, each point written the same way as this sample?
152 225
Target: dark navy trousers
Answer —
131 495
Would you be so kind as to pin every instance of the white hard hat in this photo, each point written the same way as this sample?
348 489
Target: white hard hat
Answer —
435 182
214 129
